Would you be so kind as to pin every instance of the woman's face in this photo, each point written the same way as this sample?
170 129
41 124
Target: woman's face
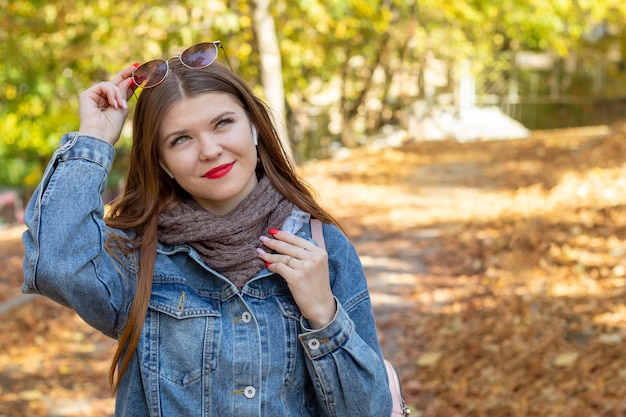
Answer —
206 145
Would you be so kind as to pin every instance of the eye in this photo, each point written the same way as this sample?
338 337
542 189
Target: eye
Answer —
179 140
224 121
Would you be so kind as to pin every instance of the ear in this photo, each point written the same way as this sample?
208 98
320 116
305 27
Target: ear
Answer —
167 171
255 135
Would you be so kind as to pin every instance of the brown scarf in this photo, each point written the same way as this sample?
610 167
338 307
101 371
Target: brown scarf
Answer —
228 243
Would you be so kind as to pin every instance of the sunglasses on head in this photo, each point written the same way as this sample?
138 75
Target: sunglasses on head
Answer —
198 56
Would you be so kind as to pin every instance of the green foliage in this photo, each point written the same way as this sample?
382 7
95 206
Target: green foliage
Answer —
52 50
331 51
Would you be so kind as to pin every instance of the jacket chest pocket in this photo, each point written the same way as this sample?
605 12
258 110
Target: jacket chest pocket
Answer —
181 334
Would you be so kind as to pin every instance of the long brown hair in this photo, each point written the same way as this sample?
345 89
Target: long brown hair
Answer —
149 190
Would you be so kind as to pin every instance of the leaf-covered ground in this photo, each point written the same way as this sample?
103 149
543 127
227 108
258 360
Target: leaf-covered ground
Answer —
497 271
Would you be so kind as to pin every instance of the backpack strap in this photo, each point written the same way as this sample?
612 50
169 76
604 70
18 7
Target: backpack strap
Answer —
399 406
317 233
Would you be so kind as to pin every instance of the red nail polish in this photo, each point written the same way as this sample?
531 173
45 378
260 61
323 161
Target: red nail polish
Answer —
274 232
136 65
131 83
267 264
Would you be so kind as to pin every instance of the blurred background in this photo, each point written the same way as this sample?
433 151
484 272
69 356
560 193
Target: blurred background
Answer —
473 149
336 72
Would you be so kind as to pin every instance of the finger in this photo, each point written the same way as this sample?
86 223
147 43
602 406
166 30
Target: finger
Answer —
283 251
289 268
102 94
124 74
301 252
114 96
288 243
125 82
130 88
276 258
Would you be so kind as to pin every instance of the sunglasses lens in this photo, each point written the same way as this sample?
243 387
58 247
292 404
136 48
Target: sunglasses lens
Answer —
150 74
200 55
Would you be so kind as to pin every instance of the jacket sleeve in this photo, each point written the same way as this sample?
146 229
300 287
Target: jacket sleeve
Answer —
65 257
344 358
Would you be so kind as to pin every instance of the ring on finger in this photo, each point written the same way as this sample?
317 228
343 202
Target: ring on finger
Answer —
299 251
288 260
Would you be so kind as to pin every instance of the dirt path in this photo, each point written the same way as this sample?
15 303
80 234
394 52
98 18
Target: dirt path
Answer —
493 268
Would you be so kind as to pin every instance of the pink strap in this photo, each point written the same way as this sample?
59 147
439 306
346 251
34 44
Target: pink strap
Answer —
317 233
399 408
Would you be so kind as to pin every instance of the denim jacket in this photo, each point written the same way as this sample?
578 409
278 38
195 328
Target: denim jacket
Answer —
206 348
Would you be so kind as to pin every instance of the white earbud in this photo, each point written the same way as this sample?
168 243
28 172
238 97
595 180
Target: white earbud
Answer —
255 135
167 171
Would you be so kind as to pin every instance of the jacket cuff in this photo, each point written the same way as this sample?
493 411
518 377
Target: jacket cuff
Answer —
75 146
320 342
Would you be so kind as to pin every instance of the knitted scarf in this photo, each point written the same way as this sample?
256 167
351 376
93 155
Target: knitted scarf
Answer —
228 243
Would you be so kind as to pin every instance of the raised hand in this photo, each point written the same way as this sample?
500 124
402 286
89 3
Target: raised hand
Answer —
103 107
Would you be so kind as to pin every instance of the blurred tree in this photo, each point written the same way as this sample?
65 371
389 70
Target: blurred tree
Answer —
341 45
271 65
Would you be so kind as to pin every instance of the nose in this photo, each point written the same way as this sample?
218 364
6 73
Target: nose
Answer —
209 148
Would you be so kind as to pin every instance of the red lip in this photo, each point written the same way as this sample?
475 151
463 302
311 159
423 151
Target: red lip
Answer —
218 172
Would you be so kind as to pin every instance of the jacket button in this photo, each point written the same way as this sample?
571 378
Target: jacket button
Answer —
314 344
246 317
249 392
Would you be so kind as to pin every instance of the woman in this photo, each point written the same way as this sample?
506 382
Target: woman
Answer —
204 270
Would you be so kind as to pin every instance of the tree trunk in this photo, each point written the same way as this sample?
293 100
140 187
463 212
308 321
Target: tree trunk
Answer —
271 66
